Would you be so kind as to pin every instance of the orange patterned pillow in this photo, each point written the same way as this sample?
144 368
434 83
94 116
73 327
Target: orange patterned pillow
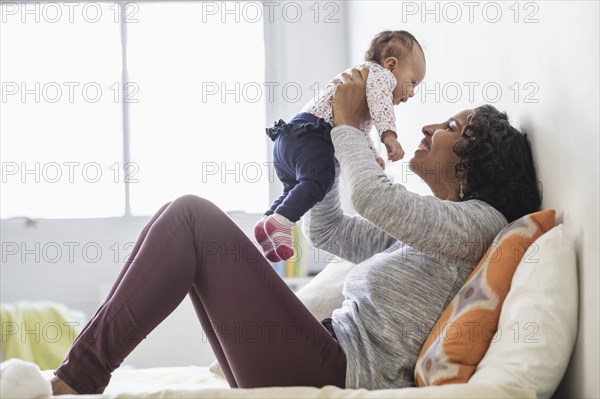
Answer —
465 329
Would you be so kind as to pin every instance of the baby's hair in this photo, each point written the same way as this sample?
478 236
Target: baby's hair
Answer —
391 43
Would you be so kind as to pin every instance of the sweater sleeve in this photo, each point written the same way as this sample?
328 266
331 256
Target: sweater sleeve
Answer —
372 146
350 237
426 223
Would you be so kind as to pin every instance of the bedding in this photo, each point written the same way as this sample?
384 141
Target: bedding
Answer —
58 326
20 379
198 382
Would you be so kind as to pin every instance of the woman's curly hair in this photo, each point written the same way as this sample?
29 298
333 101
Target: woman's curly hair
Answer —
496 164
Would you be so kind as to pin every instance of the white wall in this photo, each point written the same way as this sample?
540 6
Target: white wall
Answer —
305 54
558 56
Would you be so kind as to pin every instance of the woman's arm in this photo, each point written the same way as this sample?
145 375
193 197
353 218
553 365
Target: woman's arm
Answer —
350 237
435 227
426 223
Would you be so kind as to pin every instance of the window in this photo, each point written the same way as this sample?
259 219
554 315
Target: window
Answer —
91 130
198 126
60 127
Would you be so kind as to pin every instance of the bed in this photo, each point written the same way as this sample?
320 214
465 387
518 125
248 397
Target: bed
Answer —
543 294
199 382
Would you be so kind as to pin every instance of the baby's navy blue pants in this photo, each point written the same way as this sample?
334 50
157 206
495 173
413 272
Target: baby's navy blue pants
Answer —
304 162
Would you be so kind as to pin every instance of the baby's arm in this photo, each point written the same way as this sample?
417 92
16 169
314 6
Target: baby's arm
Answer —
392 145
379 91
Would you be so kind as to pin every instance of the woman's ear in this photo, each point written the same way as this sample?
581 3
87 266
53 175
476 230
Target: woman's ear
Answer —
390 63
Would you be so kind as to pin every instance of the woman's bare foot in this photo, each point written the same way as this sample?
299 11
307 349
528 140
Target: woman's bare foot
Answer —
59 387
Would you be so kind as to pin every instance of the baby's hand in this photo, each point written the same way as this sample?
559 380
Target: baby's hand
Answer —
393 147
381 162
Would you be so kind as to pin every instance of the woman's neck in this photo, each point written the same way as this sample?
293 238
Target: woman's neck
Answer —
444 192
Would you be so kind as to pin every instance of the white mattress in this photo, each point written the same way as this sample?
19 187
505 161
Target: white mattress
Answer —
199 382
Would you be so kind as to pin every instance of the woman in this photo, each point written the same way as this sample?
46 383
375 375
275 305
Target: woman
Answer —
413 255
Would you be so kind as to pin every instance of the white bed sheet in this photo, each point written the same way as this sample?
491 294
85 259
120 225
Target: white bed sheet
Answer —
199 382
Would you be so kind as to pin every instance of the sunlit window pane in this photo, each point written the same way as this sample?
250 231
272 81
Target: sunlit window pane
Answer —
61 135
198 123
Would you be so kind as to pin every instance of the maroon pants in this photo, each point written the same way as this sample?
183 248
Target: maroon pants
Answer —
261 334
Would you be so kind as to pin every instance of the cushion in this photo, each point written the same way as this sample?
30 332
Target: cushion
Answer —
538 322
462 334
323 294
22 379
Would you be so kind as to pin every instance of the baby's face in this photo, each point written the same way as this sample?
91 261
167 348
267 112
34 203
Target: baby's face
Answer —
409 72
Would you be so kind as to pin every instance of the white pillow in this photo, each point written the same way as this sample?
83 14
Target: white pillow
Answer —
538 321
323 294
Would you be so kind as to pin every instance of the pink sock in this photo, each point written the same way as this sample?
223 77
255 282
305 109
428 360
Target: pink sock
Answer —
263 240
279 231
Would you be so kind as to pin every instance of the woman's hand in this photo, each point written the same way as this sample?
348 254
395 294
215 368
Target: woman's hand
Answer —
350 99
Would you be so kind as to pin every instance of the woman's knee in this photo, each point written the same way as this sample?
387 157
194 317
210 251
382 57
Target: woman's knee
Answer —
191 204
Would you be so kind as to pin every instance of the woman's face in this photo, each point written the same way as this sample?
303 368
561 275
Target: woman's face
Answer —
434 159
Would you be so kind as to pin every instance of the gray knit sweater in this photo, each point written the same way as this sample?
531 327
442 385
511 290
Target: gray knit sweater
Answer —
413 253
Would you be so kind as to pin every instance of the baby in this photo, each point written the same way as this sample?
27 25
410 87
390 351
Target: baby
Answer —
303 153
